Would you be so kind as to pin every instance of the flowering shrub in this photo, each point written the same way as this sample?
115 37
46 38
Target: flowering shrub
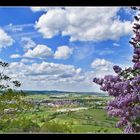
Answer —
125 88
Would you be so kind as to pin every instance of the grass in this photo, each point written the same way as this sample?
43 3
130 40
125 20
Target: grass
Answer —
94 129
92 120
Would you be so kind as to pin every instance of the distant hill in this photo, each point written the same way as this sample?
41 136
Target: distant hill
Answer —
62 92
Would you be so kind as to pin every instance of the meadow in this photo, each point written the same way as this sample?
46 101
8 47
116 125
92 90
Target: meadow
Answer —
55 113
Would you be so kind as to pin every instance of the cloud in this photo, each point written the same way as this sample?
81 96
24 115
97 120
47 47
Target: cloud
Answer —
26 60
104 52
49 26
49 71
40 51
15 56
102 64
5 39
17 28
55 76
30 34
46 68
43 8
38 9
116 44
34 50
49 76
83 23
13 29
83 51
28 43
63 52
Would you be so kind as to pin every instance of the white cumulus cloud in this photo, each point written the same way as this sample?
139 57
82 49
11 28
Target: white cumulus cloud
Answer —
28 43
40 51
102 64
83 23
5 39
55 76
63 52
51 23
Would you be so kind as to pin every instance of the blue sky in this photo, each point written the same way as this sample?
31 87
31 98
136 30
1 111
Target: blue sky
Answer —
55 48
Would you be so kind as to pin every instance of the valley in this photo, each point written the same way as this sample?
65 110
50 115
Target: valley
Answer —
55 113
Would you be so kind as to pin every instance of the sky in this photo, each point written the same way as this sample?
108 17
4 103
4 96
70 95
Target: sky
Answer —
64 48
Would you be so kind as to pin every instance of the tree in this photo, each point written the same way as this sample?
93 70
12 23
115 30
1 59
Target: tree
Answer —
6 81
125 87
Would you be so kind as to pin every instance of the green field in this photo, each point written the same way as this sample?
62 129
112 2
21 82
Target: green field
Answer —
61 114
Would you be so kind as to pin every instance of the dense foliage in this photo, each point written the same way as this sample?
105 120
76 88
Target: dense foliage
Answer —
125 88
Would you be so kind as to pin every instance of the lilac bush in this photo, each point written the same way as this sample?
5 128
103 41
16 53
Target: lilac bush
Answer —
125 88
